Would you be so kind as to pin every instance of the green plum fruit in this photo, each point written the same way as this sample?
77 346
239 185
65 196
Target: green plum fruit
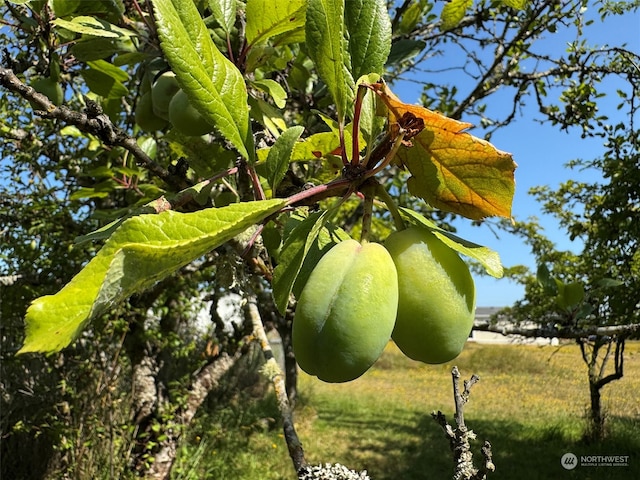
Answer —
50 88
436 305
162 91
185 118
146 119
346 311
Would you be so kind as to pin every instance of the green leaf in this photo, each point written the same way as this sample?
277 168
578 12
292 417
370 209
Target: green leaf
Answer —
280 154
488 258
410 17
268 18
269 116
105 79
546 281
517 4
142 251
570 295
316 146
326 45
274 89
205 158
453 12
404 49
92 26
369 27
224 11
214 85
609 283
95 48
298 245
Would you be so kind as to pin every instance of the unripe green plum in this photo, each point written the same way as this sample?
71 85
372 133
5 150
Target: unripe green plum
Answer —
162 91
346 311
50 88
436 305
146 119
185 118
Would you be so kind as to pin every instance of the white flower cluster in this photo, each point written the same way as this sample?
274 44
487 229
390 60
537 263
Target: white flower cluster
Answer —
330 472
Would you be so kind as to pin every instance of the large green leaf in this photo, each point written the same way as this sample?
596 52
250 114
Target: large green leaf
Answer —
369 30
488 258
326 45
214 85
142 251
268 18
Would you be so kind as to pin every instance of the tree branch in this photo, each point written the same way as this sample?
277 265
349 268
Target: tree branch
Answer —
551 331
93 122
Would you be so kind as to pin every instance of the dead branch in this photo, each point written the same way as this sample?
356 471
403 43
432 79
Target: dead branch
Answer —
460 437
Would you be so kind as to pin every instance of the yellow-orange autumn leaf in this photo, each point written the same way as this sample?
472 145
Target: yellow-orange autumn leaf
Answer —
450 169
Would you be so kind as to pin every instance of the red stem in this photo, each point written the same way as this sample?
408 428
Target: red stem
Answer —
355 130
318 190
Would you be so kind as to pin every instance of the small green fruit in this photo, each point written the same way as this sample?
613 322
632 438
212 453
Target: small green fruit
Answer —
185 118
436 296
162 91
50 88
346 311
146 119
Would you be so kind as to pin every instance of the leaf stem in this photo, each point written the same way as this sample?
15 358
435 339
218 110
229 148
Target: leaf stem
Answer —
391 205
369 191
355 130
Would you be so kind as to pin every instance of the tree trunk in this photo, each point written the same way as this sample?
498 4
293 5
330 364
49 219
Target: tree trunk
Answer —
596 420
597 379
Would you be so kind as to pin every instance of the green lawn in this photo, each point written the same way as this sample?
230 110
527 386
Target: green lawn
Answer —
530 404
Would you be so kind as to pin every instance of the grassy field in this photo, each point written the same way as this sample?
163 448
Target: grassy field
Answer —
530 404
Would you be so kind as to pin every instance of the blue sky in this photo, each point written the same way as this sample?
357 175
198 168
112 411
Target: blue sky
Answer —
541 151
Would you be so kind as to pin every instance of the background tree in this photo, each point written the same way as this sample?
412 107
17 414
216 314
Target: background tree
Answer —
586 298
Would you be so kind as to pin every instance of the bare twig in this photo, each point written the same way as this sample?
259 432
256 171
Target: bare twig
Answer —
460 437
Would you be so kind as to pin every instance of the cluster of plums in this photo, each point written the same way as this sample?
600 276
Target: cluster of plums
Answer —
165 102
414 289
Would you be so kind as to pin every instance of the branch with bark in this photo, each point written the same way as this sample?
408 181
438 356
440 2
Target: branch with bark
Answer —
92 121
